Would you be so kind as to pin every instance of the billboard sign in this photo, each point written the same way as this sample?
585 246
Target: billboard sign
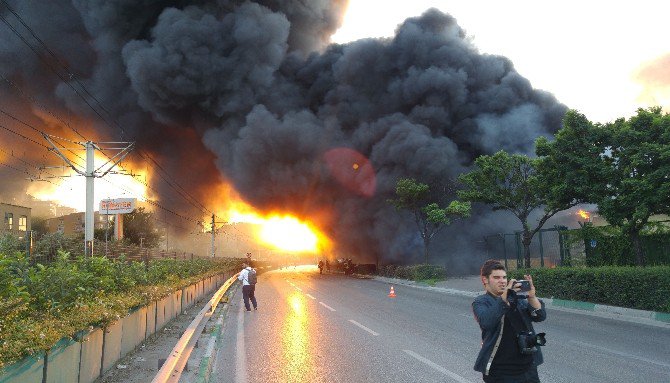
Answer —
117 206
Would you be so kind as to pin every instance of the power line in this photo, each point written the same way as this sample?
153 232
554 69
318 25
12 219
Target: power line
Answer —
189 198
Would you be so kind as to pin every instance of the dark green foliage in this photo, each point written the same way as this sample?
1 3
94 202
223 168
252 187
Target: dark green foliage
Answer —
645 288
139 228
48 245
621 166
518 184
10 243
414 272
614 248
40 304
415 197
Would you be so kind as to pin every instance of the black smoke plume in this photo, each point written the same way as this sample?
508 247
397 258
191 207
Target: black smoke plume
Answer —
258 85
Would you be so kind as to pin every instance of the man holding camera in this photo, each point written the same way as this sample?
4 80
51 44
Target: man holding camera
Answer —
510 351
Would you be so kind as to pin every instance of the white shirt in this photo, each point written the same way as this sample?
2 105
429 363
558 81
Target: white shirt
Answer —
244 276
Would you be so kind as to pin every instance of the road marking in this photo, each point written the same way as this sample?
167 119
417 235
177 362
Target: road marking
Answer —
437 367
326 306
291 283
624 354
297 288
310 296
363 327
241 359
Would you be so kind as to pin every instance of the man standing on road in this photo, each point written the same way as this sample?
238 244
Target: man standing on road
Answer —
248 285
502 315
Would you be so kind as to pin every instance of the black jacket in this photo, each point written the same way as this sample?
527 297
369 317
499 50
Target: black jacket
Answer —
489 311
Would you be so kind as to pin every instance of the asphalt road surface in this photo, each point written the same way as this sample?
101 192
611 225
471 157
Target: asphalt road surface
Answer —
333 328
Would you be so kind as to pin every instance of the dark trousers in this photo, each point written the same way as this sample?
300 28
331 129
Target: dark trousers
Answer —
529 376
248 293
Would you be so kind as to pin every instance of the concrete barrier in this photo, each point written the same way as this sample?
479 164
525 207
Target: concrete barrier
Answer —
91 356
176 304
63 361
111 345
151 320
96 351
134 330
28 370
161 313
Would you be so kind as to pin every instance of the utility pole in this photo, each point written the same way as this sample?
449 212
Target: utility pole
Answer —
90 173
213 231
213 234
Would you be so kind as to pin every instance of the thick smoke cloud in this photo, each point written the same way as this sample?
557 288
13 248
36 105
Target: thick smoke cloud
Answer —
257 84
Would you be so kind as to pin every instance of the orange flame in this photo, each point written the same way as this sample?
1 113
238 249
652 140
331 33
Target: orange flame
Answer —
584 214
279 230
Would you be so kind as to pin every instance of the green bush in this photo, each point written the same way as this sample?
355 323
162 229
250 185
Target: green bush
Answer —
613 248
40 304
644 288
414 272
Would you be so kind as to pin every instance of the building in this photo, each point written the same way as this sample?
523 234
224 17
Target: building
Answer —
17 219
75 223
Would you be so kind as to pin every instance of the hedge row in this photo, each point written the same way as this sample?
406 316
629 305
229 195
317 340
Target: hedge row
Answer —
608 246
41 304
645 288
414 272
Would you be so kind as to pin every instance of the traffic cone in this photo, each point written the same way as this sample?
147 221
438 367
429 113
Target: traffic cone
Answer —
392 293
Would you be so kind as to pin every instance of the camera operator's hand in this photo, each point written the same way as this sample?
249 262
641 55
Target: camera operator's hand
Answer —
511 285
532 298
531 292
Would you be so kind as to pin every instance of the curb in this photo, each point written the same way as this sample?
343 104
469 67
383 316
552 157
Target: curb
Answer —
613 312
204 374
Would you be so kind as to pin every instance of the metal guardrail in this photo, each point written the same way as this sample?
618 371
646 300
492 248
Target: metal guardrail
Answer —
175 363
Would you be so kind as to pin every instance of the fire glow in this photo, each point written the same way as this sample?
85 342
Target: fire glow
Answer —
70 190
584 214
284 232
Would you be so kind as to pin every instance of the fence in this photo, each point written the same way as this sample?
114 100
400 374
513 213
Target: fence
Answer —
548 248
115 250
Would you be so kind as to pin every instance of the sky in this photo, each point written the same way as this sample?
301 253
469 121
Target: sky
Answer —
603 58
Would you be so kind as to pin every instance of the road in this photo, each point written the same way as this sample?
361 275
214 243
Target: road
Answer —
333 328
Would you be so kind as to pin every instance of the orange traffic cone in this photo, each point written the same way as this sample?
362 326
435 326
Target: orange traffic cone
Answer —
392 293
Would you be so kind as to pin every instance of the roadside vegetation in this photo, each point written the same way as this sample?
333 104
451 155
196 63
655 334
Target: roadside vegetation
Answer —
424 273
42 303
621 167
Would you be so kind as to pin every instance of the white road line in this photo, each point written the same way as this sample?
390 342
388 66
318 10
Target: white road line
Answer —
437 367
624 354
326 306
363 327
241 356
310 296
291 283
297 288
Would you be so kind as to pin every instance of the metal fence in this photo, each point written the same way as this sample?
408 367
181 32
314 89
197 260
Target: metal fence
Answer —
549 248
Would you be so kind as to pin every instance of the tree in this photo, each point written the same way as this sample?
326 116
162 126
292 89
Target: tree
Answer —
138 228
39 227
512 182
623 167
429 217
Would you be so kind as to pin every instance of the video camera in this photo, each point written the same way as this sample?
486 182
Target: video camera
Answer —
529 341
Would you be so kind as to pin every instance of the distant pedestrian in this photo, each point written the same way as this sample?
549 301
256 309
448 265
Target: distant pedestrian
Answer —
327 266
321 267
248 278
